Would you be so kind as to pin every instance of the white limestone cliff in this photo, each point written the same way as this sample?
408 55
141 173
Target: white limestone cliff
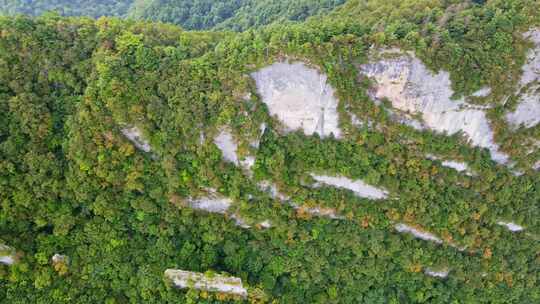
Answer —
406 82
7 255
358 187
527 113
213 283
300 97
134 135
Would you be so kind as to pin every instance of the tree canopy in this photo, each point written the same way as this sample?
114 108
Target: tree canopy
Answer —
71 183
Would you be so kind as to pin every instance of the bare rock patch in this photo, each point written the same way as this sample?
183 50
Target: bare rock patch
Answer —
358 187
437 273
134 135
7 255
225 142
213 283
213 202
412 88
456 165
300 97
527 113
423 235
511 226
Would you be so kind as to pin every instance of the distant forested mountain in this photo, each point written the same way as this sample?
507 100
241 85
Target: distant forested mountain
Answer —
190 14
229 14
198 14
385 152
92 8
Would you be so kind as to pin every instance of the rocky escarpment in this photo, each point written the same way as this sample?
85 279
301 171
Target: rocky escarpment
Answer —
7 255
411 88
358 187
527 112
207 282
300 97
135 135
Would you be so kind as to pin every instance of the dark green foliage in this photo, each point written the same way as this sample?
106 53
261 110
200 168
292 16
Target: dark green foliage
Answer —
93 8
235 15
257 13
200 14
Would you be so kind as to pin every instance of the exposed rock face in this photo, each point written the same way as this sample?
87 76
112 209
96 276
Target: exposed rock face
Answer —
266 224
458 166
256 143
531 69
212 203
134 134
412 88
59 258
359 188
240 222
7 260
437 274
7 255
300 97
200 281
483 92
319 211
229 148
426 236
315 211
527 112
272 190
511 226
225 142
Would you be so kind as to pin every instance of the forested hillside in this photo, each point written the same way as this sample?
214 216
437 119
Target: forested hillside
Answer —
92 8
129 148
235 15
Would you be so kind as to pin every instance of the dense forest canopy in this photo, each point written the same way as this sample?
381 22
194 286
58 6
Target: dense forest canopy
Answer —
93 8
74 182
190 14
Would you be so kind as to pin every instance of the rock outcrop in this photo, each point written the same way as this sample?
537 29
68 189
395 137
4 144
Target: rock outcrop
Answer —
212 202
426 236
229 148
411 88
225 142
456 165
207 282
527 113
134 135
300 97
511 226
358 187
7 255
272 189
437 273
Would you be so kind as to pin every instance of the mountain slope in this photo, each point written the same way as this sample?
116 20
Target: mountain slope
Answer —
131 148
93 8
235 15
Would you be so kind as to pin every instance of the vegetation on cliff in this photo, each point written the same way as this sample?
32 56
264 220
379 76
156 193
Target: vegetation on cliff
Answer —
71 183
